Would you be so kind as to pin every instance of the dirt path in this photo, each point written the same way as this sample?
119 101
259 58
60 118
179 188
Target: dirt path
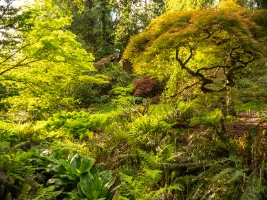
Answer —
246 121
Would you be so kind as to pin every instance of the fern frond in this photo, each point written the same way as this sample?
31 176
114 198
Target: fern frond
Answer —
47 193
152 176
229 175
24 192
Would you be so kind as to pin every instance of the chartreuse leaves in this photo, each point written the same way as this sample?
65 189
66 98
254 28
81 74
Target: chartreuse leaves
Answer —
48 60
210 45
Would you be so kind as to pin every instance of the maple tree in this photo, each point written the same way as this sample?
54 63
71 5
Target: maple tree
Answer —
212 46
39 55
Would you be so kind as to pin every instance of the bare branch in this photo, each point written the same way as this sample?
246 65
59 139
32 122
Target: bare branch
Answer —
187 87
205 81
209 68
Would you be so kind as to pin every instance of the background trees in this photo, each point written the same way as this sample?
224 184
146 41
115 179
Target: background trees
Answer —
104 27
174 6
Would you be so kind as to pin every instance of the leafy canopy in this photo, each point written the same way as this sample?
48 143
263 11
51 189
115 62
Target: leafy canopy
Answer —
179 5
45 59
211 47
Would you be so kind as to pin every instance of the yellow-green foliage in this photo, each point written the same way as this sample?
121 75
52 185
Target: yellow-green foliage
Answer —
77 124
149 125
48 60
180 5
215 43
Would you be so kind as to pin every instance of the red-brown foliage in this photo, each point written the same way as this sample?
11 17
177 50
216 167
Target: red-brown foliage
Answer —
147 87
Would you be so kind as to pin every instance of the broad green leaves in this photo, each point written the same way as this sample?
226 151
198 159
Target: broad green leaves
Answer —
78 172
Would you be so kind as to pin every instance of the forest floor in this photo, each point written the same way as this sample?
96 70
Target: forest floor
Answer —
245 122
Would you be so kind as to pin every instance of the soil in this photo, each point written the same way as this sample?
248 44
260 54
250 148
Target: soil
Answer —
246 121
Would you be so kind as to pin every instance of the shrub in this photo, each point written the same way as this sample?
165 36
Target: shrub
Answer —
148 87
77 124
77 178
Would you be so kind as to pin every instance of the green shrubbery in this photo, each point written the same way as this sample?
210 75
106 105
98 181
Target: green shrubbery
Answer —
78 125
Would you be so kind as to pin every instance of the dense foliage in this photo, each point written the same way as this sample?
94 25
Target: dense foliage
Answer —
190 123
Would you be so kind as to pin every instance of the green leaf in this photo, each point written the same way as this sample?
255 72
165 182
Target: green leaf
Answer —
86 164
79 190
75 160
71 172
4 145
96 188
105 176
58 181
176 186
107 181
86 180
153 176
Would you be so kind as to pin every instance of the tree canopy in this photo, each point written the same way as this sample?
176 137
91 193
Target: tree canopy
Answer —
105 26
181 5
38 54
210 46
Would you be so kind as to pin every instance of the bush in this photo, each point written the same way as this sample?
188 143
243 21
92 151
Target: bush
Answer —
77 124
77 178
148 87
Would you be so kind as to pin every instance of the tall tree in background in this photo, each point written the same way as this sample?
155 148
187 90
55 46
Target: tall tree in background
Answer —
94 27
132 17
180 5
253 4
105 26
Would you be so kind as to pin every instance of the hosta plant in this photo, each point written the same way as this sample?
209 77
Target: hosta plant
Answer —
77 178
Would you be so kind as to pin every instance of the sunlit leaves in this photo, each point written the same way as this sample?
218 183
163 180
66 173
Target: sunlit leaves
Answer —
211 45
179 5
47 58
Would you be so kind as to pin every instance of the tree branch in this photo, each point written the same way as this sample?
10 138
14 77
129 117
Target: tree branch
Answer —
205 81
208 68
19 65
187 87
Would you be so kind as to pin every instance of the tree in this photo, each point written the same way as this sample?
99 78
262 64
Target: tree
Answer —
253 4
104 27
12 24
180 5
94 27
212 47
43 58
132 17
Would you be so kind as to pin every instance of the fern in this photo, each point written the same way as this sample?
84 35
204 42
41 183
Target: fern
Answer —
47 193
24 192
152 176
229 175
148 158
222 179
